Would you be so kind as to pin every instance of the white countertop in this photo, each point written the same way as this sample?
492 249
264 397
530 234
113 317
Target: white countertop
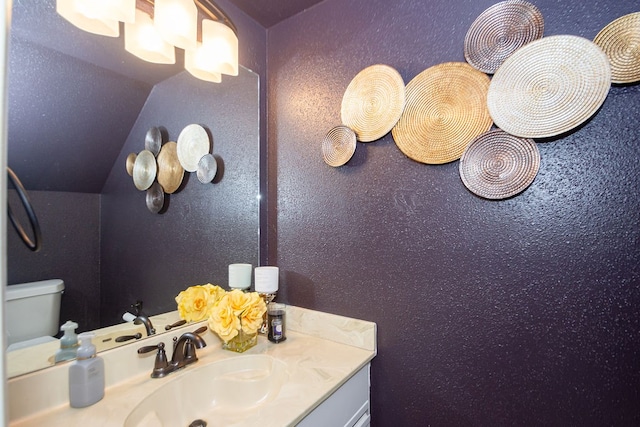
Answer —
322 351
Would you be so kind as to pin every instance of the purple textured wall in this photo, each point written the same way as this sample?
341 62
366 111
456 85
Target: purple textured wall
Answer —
514 312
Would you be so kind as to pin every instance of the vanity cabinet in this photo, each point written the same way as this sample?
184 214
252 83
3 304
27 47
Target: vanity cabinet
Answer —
348 406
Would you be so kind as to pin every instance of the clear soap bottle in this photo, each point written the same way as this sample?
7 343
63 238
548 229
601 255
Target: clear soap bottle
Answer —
86 374
68 342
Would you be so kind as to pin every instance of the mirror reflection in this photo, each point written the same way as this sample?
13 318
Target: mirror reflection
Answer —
79 104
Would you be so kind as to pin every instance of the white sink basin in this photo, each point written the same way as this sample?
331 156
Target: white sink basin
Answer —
226 390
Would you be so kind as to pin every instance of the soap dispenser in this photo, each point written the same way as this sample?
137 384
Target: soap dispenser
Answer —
68 342
86 374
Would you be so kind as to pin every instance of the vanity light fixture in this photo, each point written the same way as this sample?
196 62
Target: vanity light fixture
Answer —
154 28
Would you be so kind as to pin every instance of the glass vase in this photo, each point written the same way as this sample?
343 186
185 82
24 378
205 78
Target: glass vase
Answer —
241 342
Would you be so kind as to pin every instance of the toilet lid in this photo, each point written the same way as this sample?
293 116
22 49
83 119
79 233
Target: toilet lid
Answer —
26 290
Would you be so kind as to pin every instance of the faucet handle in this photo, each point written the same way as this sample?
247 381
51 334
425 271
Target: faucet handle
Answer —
175 325
201 330
137 307
161 364
124 338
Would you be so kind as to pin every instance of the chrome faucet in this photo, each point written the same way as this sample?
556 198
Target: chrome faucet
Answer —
184 353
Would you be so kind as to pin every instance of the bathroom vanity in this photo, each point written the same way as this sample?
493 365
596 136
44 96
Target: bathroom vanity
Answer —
319 376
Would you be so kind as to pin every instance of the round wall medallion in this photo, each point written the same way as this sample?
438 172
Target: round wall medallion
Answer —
338 146
497 165
170 171
499 31
446 108
549 86
373 102
144 170
620 40
193 143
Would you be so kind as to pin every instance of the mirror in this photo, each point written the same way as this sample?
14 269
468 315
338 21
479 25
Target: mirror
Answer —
79 104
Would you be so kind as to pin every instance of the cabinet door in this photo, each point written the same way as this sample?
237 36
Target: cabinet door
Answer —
348 406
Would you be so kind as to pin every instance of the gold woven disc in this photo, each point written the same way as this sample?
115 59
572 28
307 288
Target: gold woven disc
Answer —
497 165
338 146
170 171
549 86
499 31
620 40
446 108
373 102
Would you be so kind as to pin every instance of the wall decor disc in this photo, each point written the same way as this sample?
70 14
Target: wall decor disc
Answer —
499 31
620 40
193 143
373 102
207 168
549 86
155 198
338 146
170 171
446 108
144 170
497 165
131 160
153 140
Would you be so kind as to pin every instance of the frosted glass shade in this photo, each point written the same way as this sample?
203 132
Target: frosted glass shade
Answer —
218 52
113 10
195 62
177 22
80 14
142 40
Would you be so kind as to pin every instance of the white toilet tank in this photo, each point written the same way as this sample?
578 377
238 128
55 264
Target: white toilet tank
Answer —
33 310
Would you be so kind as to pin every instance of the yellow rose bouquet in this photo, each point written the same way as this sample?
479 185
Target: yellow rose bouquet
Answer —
235 315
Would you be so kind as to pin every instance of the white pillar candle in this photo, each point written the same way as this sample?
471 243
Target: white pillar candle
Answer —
240 276
266 279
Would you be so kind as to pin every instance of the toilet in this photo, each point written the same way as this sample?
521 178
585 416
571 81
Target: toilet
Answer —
32 312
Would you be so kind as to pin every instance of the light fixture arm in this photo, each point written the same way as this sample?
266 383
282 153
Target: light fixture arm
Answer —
213 11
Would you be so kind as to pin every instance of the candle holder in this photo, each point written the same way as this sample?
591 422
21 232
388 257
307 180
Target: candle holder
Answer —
268 298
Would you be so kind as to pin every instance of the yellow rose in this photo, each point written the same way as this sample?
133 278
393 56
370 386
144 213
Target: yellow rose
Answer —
223 321
215 293
195 302
252 316
239 301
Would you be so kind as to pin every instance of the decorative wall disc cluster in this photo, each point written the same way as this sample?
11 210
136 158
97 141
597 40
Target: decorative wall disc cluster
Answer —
541 87
497 165
159 168
499 31
549 86
620 40
446 108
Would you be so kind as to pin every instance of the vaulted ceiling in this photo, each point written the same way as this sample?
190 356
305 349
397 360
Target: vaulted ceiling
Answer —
269 12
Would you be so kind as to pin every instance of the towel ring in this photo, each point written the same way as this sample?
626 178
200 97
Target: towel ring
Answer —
37 243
